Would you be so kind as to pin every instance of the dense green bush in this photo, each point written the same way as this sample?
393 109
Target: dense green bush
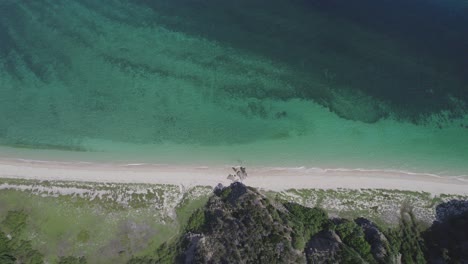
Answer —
307 222
16 248
298 241
72 260
353 235
24 252
14 222
225 193
411 243
349 256
6 256
196 221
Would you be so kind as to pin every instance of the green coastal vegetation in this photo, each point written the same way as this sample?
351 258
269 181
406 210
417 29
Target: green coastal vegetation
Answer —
62 222
239 224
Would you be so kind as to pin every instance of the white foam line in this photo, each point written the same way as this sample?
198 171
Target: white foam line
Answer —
462 178
385 171
265 169
53 162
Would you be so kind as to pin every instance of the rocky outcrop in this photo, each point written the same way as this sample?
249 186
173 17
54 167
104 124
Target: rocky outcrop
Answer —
378 241
447 239
324 247
241 226
450 209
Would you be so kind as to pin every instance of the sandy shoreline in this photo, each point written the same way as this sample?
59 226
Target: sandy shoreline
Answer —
267 178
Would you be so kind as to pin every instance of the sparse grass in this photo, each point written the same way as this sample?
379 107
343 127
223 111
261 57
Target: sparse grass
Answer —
188 207
128 218
380 205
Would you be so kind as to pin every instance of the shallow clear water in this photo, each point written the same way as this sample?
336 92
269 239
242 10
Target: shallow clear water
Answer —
372 84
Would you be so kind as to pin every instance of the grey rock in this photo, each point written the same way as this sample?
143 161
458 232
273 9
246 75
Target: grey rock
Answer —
377 240
324 247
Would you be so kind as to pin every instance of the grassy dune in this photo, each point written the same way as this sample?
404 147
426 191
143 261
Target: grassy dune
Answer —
109 223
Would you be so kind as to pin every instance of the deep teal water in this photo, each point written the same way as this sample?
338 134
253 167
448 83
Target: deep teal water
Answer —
375 84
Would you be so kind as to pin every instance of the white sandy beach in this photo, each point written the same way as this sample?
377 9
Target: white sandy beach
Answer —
266 178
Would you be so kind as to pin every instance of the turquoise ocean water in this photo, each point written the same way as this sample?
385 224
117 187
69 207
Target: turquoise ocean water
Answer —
353 84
